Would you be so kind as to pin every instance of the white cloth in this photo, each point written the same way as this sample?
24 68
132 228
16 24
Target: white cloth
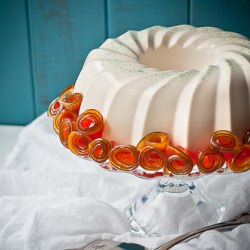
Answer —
52 199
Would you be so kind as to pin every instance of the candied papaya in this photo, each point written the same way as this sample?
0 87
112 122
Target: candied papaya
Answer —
90 123
151 158
72 101
224 141
157 140
54 108
79 143
67 126
210 160
99 149
62 115
179 163
241 160
124 157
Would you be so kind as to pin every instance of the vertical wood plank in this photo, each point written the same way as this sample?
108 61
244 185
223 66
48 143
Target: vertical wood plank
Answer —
230 15
140 14
16 100
63 33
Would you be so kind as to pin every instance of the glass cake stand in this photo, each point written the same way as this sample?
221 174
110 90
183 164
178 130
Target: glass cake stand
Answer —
176 203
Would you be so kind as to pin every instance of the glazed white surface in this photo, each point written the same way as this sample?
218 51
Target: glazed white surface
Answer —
200 84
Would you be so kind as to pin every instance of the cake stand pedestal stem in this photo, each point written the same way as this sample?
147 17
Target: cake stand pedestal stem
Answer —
172 206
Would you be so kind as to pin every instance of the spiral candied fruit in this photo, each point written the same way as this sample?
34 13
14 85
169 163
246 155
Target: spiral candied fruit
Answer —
67 91
152 159
210 160
179 162
72 101
54 108
79 143
99 149
157 140
124 157
241 160
225 141
90 123
67 126
62 115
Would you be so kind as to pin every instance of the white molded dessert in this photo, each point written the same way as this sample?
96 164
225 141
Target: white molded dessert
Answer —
182 80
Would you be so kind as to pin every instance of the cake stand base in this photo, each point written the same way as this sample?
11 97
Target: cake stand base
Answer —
172 206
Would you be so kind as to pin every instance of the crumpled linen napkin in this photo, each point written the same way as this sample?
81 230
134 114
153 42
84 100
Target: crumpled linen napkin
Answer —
52 199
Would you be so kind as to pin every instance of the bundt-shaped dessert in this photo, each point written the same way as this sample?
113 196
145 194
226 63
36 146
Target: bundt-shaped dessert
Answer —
184 81
161 101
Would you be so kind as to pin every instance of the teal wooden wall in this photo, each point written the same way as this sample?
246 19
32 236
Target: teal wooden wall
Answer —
44 43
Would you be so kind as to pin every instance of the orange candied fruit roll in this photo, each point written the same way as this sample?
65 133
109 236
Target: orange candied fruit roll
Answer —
99 149
72 101
192 154
67 91
210 160
179 163
90 123
151 158
241 160
67 126
54 108
62 115
79 143
224 141
124 157
157 140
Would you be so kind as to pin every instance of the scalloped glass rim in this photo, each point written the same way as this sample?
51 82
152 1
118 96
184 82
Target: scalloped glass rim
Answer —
147 174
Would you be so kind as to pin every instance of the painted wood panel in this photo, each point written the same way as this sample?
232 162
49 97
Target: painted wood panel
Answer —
44 42
16 94
126 15
63 32
230 15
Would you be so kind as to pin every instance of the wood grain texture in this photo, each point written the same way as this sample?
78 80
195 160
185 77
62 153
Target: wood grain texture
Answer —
230 15
126 15
16 95
44 43
63 32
